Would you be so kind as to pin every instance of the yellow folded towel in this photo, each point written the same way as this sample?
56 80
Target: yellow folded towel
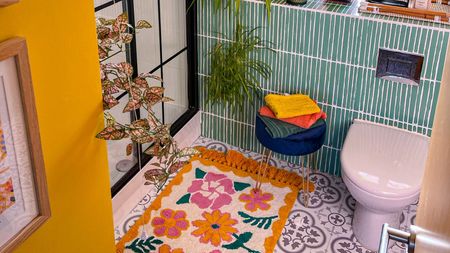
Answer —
291 105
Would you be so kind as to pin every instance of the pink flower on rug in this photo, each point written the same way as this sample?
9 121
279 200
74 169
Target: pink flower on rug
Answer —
212 191
256 199
170 223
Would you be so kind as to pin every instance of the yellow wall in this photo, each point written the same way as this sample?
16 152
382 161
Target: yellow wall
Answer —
63 57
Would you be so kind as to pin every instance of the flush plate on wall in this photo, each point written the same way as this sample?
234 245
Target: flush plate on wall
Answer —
399 66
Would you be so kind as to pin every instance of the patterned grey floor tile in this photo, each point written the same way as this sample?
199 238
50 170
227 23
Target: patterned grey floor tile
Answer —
335 219
328 191
346 244
302 233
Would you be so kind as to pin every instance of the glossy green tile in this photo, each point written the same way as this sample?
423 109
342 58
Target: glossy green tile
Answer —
332 58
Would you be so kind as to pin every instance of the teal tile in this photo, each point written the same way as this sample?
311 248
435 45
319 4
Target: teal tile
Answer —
332 58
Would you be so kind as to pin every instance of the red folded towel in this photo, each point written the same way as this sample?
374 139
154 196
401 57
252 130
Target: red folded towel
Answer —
304 121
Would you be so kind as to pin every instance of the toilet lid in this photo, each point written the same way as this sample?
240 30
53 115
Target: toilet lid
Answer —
384 161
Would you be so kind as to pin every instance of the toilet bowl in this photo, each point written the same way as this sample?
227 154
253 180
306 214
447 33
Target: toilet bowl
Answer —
382 167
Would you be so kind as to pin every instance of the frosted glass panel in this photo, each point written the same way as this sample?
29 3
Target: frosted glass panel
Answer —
97 3
119 162
147 40
175 82
110 12
156 108
173 27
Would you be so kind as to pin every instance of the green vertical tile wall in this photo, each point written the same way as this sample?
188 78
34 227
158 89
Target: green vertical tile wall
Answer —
332 57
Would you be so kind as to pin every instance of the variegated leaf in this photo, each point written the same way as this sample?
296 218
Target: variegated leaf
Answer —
126 38
112 133
156 90
129 149
109 87
109 102
153 150
188 152
103 75
142 24
136 93
125 68
141 82
120 24
122 83
153 95
153 172
148 75
110 121
103 32
133 104
142 137
140 123
140 131
114 36
106 22
166 99
151 99
176 166
102 54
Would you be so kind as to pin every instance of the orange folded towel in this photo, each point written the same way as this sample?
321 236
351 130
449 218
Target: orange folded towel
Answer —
304 121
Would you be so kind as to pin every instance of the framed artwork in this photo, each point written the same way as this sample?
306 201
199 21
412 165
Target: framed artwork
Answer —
7 2
24 204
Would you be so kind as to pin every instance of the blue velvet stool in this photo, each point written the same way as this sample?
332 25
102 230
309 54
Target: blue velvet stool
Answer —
302 144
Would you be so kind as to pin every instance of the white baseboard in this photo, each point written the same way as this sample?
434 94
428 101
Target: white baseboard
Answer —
127 198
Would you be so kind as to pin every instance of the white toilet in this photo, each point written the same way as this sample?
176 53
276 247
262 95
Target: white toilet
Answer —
382 167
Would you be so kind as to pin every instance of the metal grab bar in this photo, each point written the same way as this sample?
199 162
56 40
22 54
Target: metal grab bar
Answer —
388 233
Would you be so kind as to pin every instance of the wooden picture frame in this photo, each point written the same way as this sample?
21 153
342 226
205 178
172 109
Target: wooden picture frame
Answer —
19 134
4 3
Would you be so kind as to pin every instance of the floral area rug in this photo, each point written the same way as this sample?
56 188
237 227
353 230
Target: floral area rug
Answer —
211 206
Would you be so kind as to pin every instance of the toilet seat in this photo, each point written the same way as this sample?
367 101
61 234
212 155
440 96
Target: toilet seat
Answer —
374 159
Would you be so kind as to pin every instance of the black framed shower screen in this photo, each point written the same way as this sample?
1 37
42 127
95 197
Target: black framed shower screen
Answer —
189 51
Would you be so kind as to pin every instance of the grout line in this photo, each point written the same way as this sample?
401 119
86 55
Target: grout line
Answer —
334 107
252 126
311 57
353 16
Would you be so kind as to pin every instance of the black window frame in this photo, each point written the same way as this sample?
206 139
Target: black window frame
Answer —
192 78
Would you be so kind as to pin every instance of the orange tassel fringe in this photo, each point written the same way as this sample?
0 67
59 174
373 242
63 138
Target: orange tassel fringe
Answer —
238 161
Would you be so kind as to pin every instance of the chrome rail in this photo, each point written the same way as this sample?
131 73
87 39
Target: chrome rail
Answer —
388 233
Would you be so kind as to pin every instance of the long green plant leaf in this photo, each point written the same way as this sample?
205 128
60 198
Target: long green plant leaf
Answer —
236 71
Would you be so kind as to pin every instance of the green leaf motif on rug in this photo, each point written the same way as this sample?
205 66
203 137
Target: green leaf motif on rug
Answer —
185 199
240 242
238 186
199 174
144 246
260 222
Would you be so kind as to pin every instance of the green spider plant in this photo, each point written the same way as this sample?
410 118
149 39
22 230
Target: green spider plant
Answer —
234 74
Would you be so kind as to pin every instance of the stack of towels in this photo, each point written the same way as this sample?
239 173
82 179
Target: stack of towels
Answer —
286 116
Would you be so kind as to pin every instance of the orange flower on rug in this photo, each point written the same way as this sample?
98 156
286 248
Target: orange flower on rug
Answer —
215 228
211 207
166 249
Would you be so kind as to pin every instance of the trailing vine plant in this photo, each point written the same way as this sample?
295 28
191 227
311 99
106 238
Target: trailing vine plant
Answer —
113 36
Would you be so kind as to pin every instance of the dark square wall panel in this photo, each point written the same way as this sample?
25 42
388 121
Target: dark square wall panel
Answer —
399 66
